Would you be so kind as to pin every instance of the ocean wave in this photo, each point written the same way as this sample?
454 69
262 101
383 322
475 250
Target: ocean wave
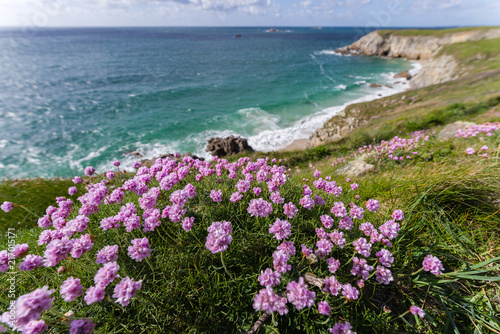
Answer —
260 119
340 87
331 53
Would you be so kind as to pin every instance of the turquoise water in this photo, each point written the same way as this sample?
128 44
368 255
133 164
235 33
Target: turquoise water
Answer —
76 97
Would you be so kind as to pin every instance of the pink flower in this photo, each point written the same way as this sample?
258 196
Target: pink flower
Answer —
433 264
140 249
470 150
268 300
269 278
341 328
290 210
324 308
219 236
299 295
7 206
417 310
125 290
89 170
372 205
71 289
187 223
259 207
350 292
72 191
398 215
332 285
107 254
216 195
82 326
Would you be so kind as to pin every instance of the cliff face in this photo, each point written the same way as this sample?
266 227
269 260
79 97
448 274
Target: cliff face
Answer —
424 48
435 69
411 47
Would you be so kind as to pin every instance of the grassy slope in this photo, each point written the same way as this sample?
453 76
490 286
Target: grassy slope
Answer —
430 32
446 196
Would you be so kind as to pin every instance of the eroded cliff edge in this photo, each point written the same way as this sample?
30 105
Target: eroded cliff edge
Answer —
426 47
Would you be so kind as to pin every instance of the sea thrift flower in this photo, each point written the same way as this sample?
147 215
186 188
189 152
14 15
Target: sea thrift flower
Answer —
362 247
324 247
385 257
81 326
398 215
332 285
307 251
319 201
20 250
390 229
235 197
276 198
81 245
30 306
327 221
219 236
356 212
339 209
433 264
31 262
77 180
350 292
125 290
361 268
287 247
484 148
333 265
470 150
71 289
337 238
94 294
7 206
299 295
281 229
290 210
89 170
257 191
317 173
216 195
57 250
109 223
110 174
35 327
280 261
44 222
106 274
72 191
268 300
383 275
417 310
187 223
107 254
259 207
367 228
136 165
4 261
269 278
324 308
346 223
307 202
354 186
372 205
140 249
342 328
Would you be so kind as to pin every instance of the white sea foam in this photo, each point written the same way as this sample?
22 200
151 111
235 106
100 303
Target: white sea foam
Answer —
332 53
259 119
341 87
302 129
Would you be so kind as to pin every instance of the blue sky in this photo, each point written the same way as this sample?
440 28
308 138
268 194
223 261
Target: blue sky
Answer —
361 13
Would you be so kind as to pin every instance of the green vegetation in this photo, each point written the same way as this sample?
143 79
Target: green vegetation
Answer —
449 198
429 32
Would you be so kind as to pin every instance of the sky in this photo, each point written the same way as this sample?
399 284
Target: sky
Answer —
359 13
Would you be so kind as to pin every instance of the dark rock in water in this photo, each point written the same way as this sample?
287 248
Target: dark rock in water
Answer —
237 36
375 85
151 162
228 146
135 154
404 74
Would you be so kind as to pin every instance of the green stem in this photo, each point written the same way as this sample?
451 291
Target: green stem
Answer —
224 265
25 208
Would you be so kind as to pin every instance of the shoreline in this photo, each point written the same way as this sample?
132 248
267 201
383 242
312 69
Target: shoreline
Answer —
305 143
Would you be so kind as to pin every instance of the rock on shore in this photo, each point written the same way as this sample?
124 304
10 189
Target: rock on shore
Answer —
228 146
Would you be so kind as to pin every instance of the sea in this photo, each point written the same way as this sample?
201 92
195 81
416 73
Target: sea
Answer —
77 97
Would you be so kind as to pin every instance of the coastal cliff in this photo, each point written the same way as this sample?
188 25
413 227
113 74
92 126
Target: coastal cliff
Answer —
445 56
424 47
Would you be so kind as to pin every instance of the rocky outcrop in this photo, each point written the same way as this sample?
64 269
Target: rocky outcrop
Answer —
338 126
411 47
355 168
450 130
405 74
424 48
228 146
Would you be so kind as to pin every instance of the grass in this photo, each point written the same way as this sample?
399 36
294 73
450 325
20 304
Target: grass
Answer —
430 32
451 207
